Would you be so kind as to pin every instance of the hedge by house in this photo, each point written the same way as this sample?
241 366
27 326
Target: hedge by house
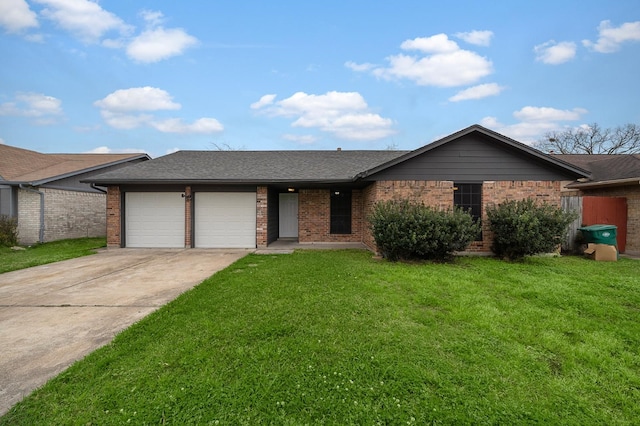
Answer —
8 231
405 230
522 228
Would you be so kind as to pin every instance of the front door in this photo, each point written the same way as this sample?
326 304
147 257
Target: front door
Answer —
288 226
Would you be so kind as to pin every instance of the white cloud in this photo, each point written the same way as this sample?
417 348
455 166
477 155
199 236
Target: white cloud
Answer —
176 125
534 122
16 16
107 150
129 109
152 17
610 38
264 101
477 92
445 64
479 38
42 109
138 99
157 44
538 114
2 142
346 115
438 43
359 67
300 139
84 18
555 53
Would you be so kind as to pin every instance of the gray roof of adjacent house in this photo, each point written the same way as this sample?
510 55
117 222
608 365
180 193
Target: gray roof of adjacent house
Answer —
250 167
605 169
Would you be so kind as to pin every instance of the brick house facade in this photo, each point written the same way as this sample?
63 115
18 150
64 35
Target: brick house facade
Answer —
331 187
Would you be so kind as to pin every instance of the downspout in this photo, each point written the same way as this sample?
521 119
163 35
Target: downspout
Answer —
93 186
41 233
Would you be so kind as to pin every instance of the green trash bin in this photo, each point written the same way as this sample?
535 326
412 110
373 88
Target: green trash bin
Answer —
600 234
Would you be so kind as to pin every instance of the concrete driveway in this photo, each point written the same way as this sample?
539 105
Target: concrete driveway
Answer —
53 315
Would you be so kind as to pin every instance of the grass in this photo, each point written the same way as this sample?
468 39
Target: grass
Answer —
40 254
337 337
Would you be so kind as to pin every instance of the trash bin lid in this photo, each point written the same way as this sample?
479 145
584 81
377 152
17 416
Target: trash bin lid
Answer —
596 228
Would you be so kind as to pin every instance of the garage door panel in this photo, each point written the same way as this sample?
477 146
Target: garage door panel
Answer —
225 219
154 219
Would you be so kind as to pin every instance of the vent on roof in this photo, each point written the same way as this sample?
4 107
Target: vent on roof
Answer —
339 149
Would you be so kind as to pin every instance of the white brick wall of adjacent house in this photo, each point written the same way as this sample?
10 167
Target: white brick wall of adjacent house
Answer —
68 214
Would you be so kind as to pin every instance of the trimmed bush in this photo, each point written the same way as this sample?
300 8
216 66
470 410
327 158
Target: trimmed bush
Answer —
8 231
404 230
523 228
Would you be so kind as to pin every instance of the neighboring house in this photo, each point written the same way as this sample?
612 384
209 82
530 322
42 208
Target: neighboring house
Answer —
44 192
610 195
252 198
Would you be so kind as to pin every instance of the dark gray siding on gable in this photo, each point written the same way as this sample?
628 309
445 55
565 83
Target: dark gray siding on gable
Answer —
472 158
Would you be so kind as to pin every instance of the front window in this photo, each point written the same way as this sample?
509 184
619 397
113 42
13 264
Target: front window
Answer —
468 196
340 212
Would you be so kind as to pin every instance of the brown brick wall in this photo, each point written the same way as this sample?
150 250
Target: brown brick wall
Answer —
632 194
314 217
261 216
113 216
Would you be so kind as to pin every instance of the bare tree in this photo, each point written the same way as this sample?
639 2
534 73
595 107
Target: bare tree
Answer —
223 146
592 139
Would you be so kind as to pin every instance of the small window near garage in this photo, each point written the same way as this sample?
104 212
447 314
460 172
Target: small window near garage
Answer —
468 196
340 211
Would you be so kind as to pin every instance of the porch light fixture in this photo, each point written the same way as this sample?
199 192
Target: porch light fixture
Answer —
291 189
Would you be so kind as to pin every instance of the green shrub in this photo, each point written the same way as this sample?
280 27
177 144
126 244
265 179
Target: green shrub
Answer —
404 230
523 228
8 231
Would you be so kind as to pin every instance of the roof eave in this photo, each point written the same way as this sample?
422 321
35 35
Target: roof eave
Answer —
109 182
88 170
604 183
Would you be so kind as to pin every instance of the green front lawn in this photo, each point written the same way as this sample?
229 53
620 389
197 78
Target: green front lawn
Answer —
40 254
336 337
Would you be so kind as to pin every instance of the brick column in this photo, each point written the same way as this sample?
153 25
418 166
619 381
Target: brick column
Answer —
261 217
188 202
114 225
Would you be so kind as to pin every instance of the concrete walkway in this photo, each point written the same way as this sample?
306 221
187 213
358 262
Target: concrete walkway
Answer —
53 315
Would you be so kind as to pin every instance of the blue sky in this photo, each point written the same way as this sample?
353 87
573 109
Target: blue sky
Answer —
158 76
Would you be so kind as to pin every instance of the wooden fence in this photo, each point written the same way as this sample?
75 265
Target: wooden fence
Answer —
572 204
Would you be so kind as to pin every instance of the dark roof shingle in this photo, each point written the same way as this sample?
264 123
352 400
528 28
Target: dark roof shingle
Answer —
251 167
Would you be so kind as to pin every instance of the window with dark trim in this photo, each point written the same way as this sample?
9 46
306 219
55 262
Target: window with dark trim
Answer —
468 196
340 211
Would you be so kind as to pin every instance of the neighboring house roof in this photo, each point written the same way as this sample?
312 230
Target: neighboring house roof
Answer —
236 167
19 165
250 167
606 170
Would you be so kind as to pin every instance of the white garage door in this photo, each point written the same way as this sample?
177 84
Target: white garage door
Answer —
225 219
154 219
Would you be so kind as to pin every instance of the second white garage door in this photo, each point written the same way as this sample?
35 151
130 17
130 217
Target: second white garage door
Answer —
225 219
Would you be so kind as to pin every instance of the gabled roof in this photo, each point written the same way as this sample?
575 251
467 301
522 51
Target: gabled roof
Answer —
497 137
24 166
250 167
